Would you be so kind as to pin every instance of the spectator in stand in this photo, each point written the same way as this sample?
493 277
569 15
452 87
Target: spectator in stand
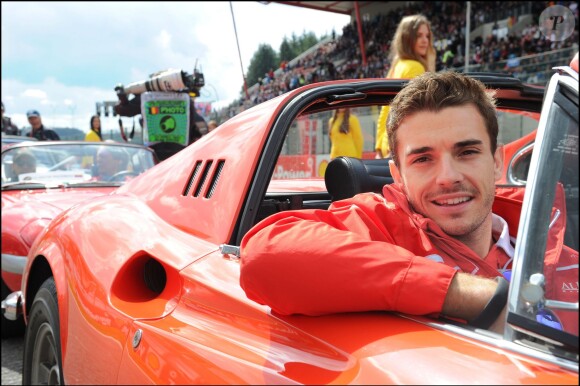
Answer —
345 134
412 54
38 130
7 126
94 134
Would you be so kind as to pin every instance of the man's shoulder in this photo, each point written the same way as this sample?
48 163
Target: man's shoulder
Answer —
363 200
51 133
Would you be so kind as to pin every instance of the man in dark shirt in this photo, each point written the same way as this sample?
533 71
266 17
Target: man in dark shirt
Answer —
7 126
38 130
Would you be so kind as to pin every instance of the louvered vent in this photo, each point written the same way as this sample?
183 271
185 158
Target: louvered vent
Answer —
194 174
203 177
215 178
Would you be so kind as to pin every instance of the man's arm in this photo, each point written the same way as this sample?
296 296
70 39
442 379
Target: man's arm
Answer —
344 260
467 297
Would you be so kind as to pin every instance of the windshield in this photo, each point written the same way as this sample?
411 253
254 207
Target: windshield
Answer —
73 163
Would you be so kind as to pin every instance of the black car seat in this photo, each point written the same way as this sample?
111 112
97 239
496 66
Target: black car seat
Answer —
347 176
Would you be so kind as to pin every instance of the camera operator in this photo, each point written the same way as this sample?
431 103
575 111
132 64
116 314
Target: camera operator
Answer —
197 125
169 81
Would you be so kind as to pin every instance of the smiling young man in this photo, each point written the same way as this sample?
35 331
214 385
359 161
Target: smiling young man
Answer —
430 245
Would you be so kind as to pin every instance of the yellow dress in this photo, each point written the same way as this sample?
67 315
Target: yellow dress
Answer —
88 160
92 136
404 69
349 144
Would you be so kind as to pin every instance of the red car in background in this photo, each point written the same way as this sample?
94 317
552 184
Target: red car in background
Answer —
142 286
40 180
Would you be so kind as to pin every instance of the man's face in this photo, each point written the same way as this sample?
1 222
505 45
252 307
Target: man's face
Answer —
34 121
447 169
24 164
106 163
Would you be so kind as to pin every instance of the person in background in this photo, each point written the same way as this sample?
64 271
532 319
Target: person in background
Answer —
345 134
197 125
211 125
23 162
94 134
412 53
7 126
38 130
110 161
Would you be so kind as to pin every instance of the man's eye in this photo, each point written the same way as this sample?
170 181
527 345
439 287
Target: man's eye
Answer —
420 160
469 152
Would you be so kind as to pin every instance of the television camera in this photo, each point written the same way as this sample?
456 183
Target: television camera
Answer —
170 80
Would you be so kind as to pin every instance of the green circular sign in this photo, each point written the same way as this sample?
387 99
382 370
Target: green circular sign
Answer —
168 124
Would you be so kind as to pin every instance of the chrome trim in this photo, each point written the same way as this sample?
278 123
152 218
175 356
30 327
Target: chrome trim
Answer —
226 249
556 216
494 339
567 70
522 244
13 263
12 306
560 305
519 155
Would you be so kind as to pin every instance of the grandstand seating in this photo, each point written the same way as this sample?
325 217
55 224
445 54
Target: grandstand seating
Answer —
503 39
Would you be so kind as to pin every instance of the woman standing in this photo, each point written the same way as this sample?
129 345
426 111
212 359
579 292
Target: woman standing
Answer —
345 134
94 134
412 54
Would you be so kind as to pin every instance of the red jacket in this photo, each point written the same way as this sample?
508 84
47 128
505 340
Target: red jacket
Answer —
368 253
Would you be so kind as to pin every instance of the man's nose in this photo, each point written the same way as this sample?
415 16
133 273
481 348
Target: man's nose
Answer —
448 172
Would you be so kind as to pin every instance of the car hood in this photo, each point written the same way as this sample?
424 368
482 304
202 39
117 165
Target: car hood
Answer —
43 203
58 199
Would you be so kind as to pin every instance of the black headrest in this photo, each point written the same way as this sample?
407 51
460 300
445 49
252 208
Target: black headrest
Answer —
347 176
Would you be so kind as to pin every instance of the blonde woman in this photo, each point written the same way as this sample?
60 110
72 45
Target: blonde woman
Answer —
412 54
345 134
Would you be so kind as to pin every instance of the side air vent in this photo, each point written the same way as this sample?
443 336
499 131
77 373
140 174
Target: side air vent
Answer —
154 276
194 174
215 178
201 182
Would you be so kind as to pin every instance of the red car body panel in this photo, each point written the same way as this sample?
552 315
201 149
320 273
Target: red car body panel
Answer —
21 208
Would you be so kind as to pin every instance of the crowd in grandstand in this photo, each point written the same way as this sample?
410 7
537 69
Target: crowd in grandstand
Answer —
504 50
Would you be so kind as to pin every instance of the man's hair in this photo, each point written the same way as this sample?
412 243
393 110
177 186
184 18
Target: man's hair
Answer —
21 154
435 92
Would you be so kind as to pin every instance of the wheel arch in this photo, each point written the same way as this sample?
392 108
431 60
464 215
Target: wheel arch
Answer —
38 272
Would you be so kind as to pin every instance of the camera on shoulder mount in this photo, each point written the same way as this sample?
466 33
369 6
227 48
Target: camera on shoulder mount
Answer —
171 80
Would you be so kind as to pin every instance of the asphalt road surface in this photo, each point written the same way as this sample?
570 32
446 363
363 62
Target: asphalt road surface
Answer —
12 361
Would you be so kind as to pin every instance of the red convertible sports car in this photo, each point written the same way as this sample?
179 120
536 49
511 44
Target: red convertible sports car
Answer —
142 286
41 179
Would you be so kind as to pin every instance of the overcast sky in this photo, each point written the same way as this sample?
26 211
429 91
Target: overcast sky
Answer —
62 57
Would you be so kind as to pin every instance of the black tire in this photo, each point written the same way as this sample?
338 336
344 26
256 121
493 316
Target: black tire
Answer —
42 362
10 328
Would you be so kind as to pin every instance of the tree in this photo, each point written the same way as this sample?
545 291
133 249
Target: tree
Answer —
263 60
286 51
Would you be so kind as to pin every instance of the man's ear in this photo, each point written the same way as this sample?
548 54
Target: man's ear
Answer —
498 162
395 172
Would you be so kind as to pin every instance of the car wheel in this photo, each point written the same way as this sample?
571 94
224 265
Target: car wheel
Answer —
42 353
10 328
